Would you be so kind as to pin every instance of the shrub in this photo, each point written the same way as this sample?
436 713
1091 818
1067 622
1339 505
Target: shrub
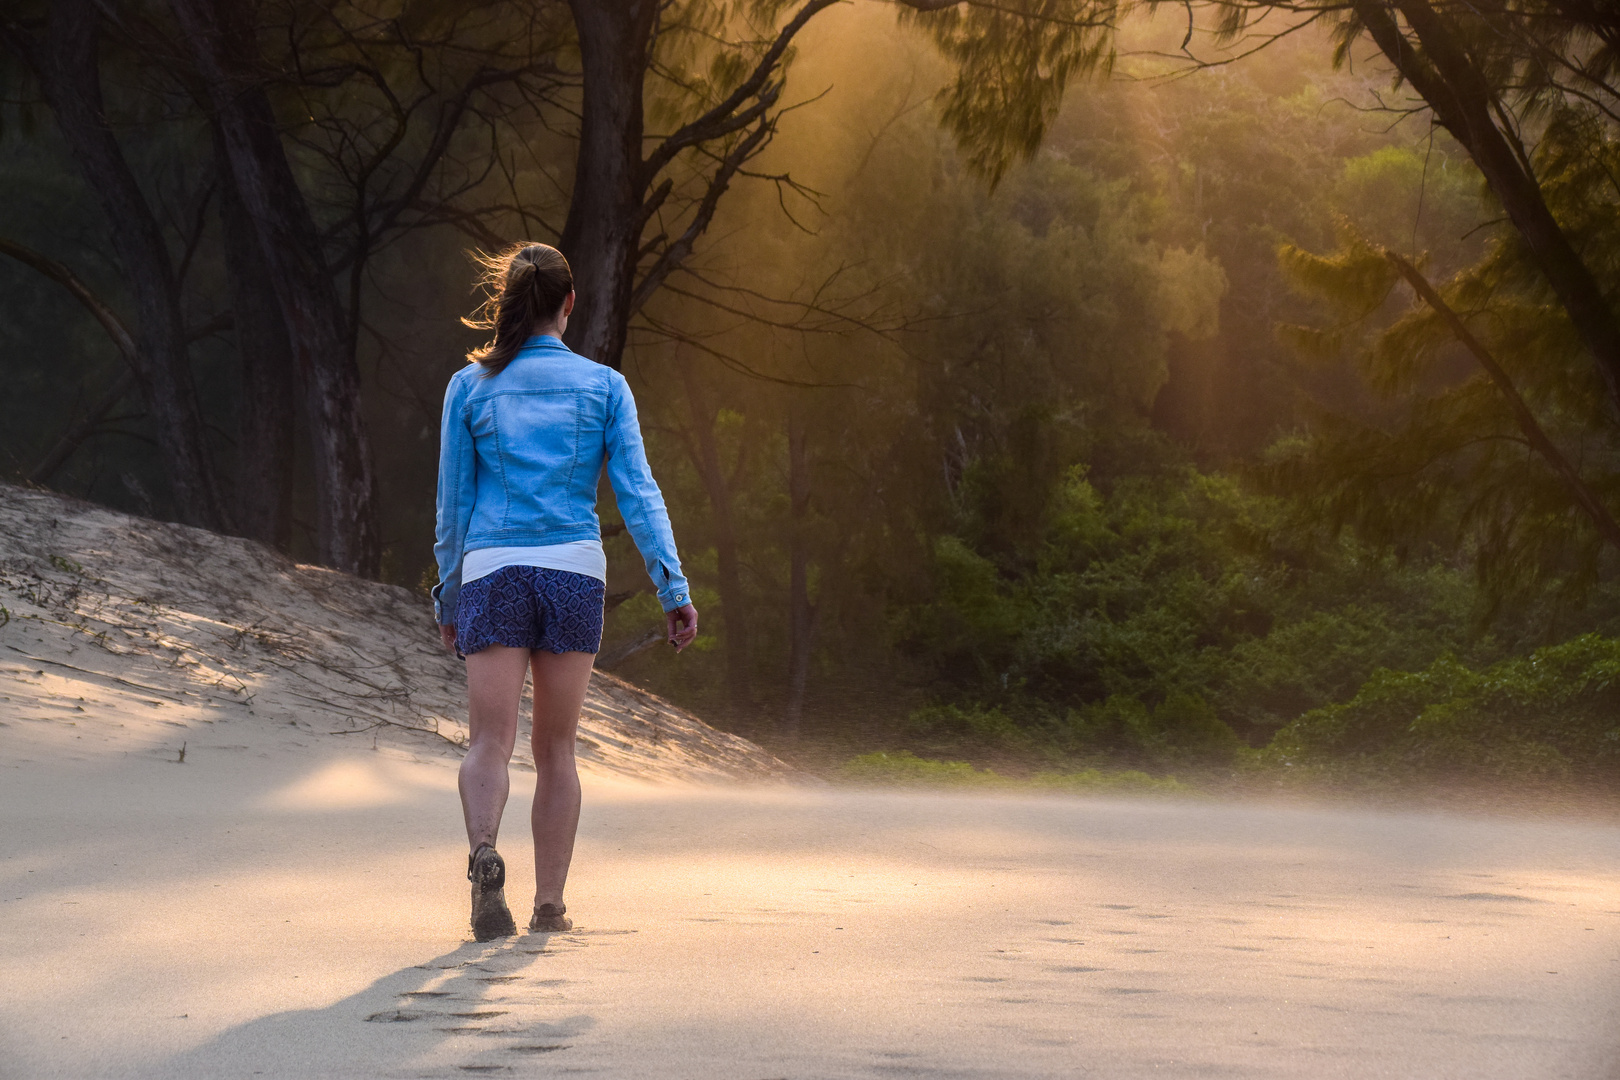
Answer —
1532 715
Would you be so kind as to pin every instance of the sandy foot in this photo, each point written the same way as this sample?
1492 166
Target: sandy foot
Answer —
164 920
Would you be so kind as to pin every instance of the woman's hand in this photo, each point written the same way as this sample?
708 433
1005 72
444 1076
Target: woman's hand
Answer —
447 634
682 623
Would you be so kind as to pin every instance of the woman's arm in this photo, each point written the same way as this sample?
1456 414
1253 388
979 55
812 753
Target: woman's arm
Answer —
457 487
641 504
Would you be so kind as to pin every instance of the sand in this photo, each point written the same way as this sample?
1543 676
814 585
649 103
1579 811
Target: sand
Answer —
301 912
290 900
157 632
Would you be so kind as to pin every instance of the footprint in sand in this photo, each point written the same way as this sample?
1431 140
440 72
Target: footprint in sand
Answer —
1509 897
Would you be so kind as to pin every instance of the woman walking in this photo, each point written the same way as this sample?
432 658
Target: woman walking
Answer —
528 427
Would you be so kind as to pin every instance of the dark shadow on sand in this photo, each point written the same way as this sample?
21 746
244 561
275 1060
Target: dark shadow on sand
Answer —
480 1008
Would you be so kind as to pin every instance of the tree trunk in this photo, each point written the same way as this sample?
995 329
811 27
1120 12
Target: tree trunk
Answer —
1462 99
603 232
222 47
70 77
802 614
733 606
265 417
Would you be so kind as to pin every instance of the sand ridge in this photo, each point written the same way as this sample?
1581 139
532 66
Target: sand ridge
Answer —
163 633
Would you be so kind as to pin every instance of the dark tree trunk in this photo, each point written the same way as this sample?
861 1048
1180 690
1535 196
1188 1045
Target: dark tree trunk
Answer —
222 47
603 232
1462 100
733 605
69 75
802 614
265 417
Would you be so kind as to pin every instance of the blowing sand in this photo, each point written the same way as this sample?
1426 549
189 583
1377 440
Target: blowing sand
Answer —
289 900
300 912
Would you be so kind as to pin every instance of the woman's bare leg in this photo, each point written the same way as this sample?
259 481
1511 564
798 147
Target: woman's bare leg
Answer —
494 688
560 681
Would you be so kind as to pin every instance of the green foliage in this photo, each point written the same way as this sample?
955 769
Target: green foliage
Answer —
1546 714
1443 459
1166 620
982 456
1013 62
958 725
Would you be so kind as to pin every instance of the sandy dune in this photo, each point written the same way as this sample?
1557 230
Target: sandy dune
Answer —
160 632
288 900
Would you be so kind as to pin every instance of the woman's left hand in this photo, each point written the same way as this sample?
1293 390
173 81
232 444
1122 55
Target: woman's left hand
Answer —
682 623
447 634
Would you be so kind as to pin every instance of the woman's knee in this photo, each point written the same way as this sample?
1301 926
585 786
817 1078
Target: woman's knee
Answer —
484 741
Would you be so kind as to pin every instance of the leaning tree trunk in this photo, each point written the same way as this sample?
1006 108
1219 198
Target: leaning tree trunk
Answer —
70 77
265 415
222 47
1450 81
602 234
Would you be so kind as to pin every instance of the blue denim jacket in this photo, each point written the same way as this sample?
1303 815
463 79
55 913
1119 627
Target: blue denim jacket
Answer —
520 457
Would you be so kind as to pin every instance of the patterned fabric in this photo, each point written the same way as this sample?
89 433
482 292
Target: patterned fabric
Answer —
531 607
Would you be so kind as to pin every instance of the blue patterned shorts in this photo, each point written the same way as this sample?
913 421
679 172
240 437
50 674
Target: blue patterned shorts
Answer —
531 607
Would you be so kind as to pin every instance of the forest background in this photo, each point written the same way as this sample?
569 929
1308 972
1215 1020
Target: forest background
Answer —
1121 436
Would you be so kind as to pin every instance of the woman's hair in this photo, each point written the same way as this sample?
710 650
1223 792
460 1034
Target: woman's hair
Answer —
525 284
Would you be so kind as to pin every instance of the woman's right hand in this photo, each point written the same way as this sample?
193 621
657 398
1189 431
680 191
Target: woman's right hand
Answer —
447 634
682 623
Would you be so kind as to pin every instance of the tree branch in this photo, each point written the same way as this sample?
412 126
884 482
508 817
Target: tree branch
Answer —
1534 435
723 119
60 274
678 251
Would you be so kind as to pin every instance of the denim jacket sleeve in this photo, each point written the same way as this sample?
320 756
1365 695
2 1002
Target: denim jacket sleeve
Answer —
457 488
641 504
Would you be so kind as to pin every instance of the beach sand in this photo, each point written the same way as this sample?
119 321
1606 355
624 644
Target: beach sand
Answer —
302 913
289 899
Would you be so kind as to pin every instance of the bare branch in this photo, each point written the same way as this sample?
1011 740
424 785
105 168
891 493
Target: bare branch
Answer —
723 118
60 274
677 252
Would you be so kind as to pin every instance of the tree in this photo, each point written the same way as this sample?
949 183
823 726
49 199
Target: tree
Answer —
433 76
62 52
1513 458
1489 71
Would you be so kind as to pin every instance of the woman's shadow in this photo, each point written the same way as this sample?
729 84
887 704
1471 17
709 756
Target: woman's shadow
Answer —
480 1008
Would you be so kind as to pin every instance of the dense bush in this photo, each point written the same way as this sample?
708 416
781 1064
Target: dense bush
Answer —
1163 620
1554 712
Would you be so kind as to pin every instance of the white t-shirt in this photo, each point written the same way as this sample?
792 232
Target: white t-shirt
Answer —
578 556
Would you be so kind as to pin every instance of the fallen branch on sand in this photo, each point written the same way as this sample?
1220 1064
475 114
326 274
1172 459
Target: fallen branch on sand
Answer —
379 722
